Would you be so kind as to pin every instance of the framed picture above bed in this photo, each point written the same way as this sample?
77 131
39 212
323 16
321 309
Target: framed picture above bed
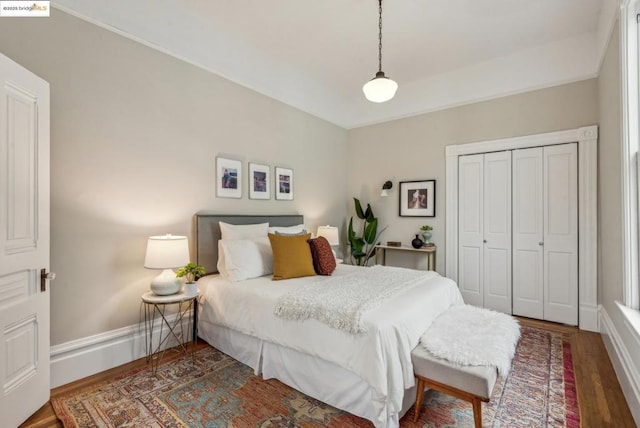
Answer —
417 198
228 178
259 181
284 184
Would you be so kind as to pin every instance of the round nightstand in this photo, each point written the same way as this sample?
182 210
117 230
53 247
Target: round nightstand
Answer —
169 328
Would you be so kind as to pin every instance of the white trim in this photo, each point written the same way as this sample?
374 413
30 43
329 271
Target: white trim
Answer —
620 356
84 357
587 228
586 138
629 133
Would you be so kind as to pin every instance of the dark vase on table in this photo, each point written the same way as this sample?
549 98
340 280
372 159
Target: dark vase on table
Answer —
417 243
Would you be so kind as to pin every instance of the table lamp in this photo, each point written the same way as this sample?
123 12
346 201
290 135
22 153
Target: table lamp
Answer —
166 252
330 233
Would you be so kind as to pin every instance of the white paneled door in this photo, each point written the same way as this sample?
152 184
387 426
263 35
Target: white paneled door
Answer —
484 275
560 219
497 231
471 228
528 233
24 242
518 231
545 233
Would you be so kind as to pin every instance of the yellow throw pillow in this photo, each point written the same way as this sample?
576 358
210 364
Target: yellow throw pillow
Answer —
291 256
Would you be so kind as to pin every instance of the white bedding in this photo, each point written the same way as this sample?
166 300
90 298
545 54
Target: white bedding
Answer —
341 301
381 357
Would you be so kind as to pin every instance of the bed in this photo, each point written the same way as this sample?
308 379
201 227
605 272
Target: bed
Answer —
367 374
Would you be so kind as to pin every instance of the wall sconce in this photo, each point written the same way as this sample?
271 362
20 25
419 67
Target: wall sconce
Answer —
386 186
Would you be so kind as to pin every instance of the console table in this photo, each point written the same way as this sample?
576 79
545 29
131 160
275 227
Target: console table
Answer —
430 252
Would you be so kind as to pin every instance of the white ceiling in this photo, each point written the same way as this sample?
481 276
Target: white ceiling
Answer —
316 55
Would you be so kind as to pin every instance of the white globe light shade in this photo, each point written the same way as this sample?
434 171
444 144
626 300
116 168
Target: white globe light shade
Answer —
380 88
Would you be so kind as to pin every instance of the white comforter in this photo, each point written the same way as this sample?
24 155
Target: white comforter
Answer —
381 357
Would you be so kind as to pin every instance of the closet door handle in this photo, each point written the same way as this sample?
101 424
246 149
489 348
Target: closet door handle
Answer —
484 241
541 243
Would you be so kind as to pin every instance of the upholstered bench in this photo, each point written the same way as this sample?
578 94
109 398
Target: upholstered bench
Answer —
470 383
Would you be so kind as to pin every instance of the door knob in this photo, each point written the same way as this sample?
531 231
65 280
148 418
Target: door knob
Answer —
44 276
484 240
541 243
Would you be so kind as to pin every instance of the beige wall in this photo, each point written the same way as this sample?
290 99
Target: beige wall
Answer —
135 134
414 149
619 334
609 182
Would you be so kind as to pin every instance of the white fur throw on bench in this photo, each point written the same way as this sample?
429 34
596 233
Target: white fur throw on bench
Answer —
472 336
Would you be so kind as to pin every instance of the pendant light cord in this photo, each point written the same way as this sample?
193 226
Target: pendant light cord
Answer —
380 35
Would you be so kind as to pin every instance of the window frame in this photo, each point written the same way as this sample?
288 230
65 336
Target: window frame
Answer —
629 58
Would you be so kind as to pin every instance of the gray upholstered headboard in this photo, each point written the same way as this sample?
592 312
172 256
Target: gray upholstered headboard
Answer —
207 233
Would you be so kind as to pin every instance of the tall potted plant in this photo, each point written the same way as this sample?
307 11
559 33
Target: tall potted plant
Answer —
363 246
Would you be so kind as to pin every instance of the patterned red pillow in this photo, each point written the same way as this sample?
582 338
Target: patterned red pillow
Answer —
324 261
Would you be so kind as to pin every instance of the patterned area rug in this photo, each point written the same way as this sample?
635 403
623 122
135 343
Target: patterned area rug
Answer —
217 391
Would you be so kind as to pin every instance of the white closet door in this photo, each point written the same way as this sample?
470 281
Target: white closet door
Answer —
470 228
528 267
561 233
497 231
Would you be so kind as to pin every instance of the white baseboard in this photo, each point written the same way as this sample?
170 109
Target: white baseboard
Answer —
623 363
84 357
588 316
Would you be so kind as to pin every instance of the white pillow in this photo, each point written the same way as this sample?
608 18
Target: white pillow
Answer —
288 230
245 258
222 265
243 231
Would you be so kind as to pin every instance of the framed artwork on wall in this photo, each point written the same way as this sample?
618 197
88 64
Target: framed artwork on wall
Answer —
259 181
228 178
284 184
417 198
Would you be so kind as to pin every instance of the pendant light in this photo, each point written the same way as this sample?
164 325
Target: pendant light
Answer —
380 88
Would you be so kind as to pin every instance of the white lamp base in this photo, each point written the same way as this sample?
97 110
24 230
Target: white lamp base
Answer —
166 283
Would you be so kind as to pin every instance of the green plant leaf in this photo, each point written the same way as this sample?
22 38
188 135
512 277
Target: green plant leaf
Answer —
357 244
368 214
350 233
190 269
359 212
371 231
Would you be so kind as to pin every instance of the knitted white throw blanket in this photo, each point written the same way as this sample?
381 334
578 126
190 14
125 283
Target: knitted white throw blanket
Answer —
472 336
340 301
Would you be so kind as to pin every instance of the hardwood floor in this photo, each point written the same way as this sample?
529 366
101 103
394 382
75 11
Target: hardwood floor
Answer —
599 395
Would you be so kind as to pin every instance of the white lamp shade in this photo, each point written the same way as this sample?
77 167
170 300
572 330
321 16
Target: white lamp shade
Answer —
330 233
380 88
167 252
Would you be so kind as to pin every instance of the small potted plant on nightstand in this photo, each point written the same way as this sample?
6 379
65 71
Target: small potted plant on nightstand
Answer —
191 272
426 233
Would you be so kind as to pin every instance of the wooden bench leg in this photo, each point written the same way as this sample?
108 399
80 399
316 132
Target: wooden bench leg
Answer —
419 395
477 412
475 400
